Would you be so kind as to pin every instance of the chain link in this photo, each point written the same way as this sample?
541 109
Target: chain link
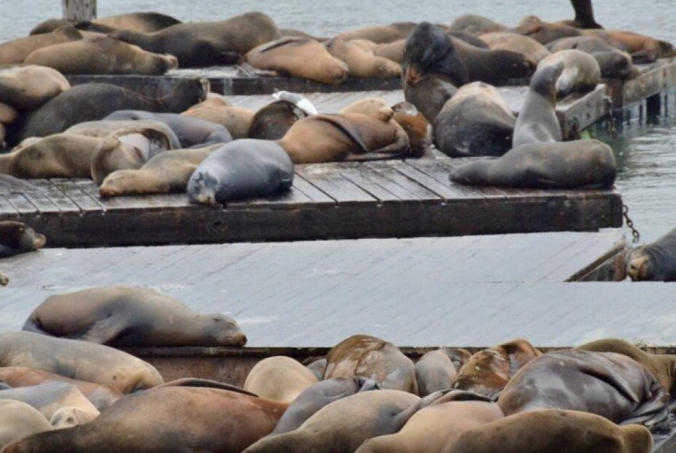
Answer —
611 124
630 224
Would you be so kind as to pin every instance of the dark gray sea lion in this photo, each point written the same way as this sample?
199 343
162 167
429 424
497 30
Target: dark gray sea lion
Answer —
28 87
655 261
274 120
241 169
476 121
211 419
279 378
612 385
318 395
614 63
16 50
81 360
17 237
537 121
496 67
101 55
584 15
563 165
141 22
133 317
94 101
200 44
191 132
581 72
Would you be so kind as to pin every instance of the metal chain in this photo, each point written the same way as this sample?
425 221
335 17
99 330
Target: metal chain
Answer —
630 224
611 123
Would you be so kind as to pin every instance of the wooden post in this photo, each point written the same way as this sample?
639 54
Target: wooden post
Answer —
79 10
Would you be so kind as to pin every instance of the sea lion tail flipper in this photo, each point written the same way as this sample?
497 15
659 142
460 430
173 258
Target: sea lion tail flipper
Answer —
105 331
205 383
281 42
613 379
346 127
33 324
398 149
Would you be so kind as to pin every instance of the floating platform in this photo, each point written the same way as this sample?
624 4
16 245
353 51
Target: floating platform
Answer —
327 201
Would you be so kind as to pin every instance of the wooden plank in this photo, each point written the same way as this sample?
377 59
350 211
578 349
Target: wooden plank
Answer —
367 179
22 205
42 202
440 171
444 190
314 193
400 184
580 111
333 184
7 208
73 190
65 204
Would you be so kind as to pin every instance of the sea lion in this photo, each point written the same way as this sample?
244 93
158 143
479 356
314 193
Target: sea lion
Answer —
360 62
614 63
655 261
642 48
28 87
133 317
380 34
373 106
19 420
81 360
237 120
17 237
70 416
434 371
380 360
488 371
49 397
93 101
318 367
245 168
544 32
211 419
163 173
201 44
584 15
298 57
434 427
8 114
553 430
191 132
581 72
345 424
344 137
274 120
101 396
103 128
537 121
101 55
16 50
612 385
279 378
473 23
476 121
416 126
4 280
515 42
141 21
565 165
318 395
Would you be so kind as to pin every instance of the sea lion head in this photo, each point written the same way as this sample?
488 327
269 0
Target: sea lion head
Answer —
544 80
638 264
21 237
202 188
225 330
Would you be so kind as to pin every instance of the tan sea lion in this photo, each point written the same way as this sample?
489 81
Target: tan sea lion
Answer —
16 50
434 371
655 261
237 120
380 360
279 378
140 21
133 317
101 55
380 33
473 23
544 32
642 48
19 420
614 63
28 87
17 237
360 62
49 397
416 126
298 57
553 431
581 71
70 416
516 42
373 106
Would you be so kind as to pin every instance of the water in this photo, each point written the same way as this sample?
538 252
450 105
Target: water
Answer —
647 173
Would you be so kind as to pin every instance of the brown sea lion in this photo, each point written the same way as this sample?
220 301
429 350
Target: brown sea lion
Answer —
655 261
360 62
19 420
163 173
210 419
614 63
516 42
416 126
49 397
612 385
553 431
274 120
140 21
380 33
472 23
237 120
434 371
133 317
642 48
496 67
279 378
345 424
581 71
380 360
345 137
544 32
434 427
372 106
201 44
298 57
101 55
17 237
476 121
28 87
574 164
16 50
81 360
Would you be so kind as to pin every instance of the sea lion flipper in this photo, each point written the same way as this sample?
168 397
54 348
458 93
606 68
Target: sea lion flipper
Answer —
400 148
612 379
104 331
346 127
205 383
280 42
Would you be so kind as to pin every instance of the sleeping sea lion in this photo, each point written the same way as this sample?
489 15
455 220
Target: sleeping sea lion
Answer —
655 261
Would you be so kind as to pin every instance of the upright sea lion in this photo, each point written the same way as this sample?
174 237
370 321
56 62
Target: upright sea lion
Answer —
553 430
49 397
416 126
380 360
614 63
612 385
148 423
16 50
237 120
17 237
434 371
565 165
241 169
274 120
28 87
93 101
472 23
82 360
141 22
516 42
581 72
584 15
537 121
476 121
200 44
298 57
19 420
655 261
133 317
279 378
101 55
360 62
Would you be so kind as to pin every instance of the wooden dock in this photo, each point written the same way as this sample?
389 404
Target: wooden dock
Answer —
327 201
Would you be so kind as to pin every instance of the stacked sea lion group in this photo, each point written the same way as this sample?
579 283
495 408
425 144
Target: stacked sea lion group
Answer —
365 395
